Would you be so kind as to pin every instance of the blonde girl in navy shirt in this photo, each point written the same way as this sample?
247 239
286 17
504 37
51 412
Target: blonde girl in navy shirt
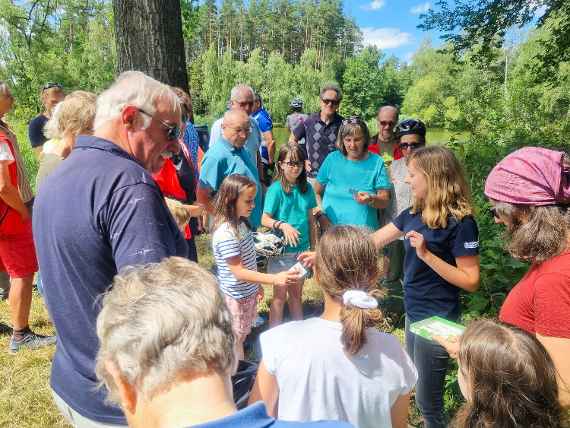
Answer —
442 247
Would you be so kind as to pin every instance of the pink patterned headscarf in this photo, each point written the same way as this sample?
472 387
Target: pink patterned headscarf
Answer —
530 176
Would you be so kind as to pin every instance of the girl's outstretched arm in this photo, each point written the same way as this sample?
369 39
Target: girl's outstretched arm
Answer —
243 274
386 234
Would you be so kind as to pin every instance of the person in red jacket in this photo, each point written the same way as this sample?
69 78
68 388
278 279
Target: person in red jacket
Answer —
17 251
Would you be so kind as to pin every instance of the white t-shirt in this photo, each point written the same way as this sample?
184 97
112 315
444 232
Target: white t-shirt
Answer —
318 380
227 243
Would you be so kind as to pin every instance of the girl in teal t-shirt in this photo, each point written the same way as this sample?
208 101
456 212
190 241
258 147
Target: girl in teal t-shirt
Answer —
288 208
352 181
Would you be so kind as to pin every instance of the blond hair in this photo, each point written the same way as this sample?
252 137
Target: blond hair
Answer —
161 322
179 212
448 193
73 116
347 260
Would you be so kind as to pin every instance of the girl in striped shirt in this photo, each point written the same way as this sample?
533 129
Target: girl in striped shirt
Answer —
234 254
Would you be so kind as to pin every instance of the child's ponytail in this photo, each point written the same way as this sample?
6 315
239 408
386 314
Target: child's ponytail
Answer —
347 269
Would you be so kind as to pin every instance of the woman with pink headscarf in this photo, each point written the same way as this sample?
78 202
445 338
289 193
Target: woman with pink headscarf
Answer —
529 191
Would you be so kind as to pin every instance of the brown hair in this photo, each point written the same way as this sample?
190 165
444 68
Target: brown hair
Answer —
296 155
448 192
535 233
185 102
510 377
226 199
353 127
346 260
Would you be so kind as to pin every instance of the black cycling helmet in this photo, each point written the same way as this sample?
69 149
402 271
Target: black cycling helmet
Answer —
296 103
410 126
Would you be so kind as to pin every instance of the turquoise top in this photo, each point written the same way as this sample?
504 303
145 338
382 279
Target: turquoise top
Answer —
222 160
292 208
342 178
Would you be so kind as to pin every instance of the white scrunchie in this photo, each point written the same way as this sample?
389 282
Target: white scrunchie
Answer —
359 299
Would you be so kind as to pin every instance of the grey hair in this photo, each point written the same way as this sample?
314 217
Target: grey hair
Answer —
238 89
331 87
5 90
136 89
160 321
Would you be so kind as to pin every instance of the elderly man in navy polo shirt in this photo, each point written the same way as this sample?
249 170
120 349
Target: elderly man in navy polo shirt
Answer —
229 156
98 213
320 130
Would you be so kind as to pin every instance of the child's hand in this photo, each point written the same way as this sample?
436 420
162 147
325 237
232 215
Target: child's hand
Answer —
286 278
260 294
451 344
307 258
417 241
291 234
363 198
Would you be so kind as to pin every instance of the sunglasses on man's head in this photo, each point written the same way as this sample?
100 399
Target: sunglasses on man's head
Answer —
352 120
328 101
172 131
50 85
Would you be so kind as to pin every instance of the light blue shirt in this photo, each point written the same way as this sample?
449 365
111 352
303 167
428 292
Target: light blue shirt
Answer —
223 159
342 178
252 144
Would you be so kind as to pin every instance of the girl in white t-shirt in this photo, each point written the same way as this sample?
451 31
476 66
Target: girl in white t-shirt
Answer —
234 254
338 366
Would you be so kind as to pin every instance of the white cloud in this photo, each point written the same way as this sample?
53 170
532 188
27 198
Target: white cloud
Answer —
374 5
420 8
385 38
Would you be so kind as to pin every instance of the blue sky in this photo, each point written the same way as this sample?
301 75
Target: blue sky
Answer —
391 25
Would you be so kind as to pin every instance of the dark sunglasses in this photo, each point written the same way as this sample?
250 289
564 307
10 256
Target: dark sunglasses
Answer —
331 102
50 85
172 131
386 123
412 146
352 120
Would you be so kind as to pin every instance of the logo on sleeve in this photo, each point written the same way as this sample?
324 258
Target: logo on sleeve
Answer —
471 245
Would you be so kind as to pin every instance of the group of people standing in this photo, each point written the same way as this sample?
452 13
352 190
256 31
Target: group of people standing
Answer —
167 336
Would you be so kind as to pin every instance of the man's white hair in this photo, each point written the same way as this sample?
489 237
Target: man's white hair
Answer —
160 322
136 89
240 89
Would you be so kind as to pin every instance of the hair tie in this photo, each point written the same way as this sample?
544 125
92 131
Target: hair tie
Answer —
359 299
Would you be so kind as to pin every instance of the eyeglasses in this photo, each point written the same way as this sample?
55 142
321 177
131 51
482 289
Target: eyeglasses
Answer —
50 85
243 103
172 131
352 120
386 123
293 164
239 130
411 146
328 101
493 212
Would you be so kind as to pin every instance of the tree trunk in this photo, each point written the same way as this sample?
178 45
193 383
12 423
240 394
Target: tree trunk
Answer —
149 39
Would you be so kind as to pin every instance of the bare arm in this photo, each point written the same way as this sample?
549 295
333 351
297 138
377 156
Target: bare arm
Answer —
399 412
243 274
265 389
559 349
380 200
386 234
10 194
465 275
268 138
319 192
204 198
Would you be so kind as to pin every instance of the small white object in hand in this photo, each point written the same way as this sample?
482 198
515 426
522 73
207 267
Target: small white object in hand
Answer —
359 299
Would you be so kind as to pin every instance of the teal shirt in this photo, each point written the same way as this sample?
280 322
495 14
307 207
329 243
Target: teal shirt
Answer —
292 208
341 177
223 159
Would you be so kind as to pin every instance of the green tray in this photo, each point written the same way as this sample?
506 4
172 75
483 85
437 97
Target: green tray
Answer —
436 326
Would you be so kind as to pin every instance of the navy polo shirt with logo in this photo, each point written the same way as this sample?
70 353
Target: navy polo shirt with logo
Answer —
97 213
320 139
425 292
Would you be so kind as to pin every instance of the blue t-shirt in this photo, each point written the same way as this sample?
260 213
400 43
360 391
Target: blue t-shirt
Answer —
265 124
342 178
255 416
36 131
425 292
223 159
97 213
292 208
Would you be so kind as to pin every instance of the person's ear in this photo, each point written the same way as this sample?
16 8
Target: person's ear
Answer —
127 393
129 116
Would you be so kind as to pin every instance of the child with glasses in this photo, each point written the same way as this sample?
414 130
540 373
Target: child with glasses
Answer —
288 209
